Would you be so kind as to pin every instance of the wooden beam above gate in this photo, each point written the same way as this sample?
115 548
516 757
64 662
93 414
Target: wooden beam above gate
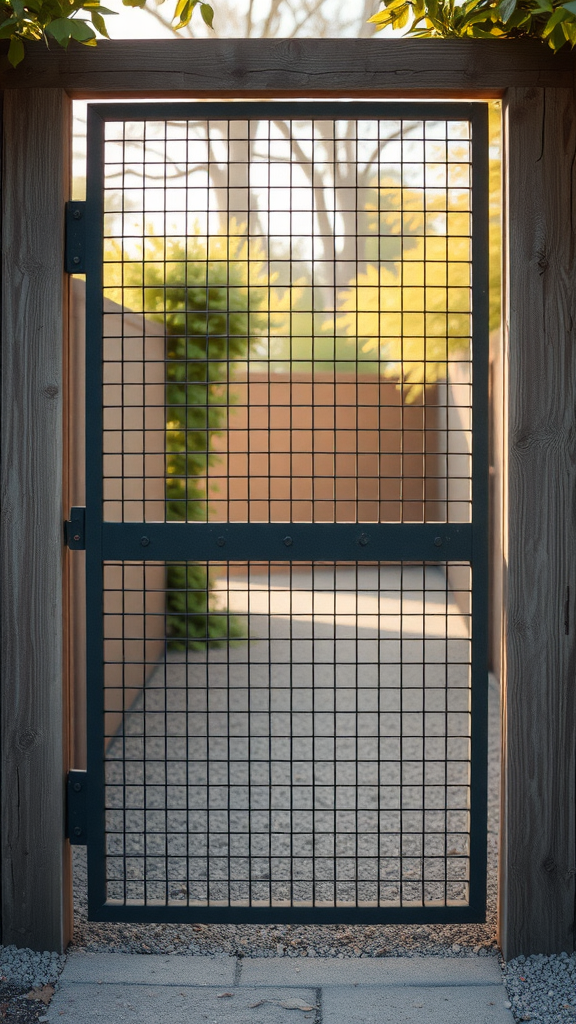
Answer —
296 67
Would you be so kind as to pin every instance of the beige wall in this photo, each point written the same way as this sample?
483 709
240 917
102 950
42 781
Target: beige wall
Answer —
459 456
461 443
325 449
131 609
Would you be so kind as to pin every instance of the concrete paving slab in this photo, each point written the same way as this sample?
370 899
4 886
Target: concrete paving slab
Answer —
417 970
135 969
76 1003
390 1004
113 988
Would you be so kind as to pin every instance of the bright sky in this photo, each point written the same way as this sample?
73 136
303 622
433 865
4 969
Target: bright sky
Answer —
133 23
136 23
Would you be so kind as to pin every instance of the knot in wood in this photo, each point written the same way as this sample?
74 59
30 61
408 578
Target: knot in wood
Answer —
27 739
51 390
542 261
30 265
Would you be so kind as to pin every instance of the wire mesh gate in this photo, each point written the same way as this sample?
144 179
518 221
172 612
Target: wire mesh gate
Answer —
286 499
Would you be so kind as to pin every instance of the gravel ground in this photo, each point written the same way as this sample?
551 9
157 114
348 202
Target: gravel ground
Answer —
308 940
541 989
24 967
529 980
26 983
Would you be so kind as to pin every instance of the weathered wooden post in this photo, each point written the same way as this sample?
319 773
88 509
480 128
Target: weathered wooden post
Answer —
538 849
36 895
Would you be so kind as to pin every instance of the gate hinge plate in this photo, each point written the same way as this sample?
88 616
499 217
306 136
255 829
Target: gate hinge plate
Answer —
74 259
76 807
74 529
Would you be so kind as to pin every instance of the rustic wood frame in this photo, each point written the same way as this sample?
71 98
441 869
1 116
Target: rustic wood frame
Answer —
538 843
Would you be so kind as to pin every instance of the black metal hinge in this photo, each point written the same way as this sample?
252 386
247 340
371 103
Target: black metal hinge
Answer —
74 529
76 807
75 238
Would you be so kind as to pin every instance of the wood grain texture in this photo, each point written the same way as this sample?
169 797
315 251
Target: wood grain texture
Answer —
309 67
539 851
496 399
33 729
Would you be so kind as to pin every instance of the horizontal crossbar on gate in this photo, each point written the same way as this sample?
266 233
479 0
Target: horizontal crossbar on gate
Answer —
251 914
288 541
280 110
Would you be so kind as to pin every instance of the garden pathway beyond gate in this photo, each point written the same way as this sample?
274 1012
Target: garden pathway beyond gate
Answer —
286 511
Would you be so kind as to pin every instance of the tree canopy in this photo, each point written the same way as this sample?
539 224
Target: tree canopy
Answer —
82 20
550 20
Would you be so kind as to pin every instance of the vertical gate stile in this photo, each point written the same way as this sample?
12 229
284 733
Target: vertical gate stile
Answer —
94 477
287 316
481 557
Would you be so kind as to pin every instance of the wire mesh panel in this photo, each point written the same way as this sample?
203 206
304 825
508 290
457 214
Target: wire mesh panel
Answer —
313 280
286 440
319 757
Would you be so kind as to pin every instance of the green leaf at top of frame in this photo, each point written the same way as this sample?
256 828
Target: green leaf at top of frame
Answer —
81 31
134 3
181 9
471 6
392 10
207 13
382 18
570 6
556 38
479 17
559 15
402 16
506 9
519 19
480 33
15 51
7 28
61 30
99 24
34 5
184 11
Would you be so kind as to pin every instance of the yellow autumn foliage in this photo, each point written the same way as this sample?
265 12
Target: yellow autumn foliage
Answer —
413 316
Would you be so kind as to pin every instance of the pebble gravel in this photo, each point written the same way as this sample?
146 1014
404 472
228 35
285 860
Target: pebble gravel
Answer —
308 940
25 967
542 988
26 980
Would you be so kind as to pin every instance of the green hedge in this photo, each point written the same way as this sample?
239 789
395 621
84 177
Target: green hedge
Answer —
212 316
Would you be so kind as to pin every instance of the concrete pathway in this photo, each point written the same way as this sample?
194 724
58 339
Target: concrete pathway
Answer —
110 988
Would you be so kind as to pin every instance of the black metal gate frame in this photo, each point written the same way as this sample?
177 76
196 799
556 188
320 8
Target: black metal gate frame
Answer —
330 541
